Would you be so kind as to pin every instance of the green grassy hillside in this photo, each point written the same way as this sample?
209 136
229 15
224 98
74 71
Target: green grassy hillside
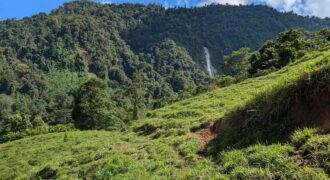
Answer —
167 144
184 116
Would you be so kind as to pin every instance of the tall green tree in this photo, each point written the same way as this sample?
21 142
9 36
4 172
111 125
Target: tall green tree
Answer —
277 53
93 108
237 63
137 93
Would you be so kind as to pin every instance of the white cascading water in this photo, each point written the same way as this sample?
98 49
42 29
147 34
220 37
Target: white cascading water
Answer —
209 66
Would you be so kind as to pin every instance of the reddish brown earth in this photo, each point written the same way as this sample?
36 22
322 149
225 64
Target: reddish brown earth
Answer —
210 132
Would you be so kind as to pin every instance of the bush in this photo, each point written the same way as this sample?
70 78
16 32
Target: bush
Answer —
11 136
18 122
92 107
287 53
46 173
280 52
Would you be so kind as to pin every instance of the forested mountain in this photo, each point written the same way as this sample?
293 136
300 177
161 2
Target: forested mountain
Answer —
220 28
148 56
105 91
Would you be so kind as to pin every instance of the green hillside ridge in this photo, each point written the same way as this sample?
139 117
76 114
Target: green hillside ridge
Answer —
167 145
125 45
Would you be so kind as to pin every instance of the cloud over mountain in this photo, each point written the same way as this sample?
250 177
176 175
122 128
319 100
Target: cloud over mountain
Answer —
318 8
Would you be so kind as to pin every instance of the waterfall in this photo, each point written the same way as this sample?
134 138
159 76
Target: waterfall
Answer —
209 66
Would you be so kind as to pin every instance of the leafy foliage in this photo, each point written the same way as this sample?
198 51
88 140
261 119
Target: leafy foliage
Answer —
92 107
288 47
237 63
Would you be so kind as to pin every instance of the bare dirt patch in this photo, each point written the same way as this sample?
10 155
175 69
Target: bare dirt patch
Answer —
210 132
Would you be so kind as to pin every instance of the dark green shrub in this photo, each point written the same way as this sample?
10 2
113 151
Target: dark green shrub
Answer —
47 173
92 107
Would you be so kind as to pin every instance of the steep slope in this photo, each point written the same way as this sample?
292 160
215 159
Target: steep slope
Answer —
167 144
275 114
189 114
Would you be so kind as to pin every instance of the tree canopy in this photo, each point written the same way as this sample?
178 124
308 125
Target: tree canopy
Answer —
93 108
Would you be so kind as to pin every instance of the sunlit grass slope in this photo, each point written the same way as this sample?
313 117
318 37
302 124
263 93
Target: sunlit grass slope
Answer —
182 117
166 145
106 155
99 154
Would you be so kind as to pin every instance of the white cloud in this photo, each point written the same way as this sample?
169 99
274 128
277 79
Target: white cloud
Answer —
231 2
182 3
286 4
106 2
320 8
303 7
297 6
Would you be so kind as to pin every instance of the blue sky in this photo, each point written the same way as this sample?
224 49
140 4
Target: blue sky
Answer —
21 8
